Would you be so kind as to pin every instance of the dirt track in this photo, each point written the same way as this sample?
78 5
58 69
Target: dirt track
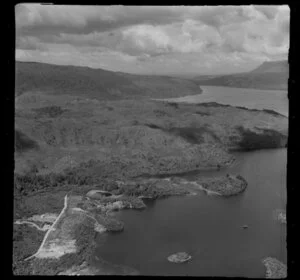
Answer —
51 228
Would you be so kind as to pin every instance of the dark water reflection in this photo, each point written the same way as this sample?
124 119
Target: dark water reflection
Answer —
209 227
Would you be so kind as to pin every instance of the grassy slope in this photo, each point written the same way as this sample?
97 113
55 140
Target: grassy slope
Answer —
146 135
67 115
269 75
96 83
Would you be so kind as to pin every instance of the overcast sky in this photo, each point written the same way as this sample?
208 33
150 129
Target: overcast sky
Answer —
160 40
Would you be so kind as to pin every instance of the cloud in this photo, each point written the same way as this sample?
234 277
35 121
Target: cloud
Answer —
148 38
220 15
87 19
29 43
37 18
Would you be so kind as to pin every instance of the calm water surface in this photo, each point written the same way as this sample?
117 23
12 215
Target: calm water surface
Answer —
276 100
208 227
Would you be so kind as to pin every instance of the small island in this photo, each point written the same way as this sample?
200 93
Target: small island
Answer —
87 212
280 215
275 268
180 257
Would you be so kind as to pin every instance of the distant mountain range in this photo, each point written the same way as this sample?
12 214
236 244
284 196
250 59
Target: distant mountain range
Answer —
103 84
97 83
269 75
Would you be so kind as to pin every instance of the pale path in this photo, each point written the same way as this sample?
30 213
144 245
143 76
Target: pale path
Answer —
51 228
31 223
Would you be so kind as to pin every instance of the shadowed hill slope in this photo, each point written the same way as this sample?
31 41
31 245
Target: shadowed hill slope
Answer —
96 83
23 142
269 75
272 67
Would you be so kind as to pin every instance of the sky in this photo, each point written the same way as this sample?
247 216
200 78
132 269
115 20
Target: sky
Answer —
175 40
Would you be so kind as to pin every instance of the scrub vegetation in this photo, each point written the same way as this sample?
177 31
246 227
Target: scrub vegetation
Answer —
80 129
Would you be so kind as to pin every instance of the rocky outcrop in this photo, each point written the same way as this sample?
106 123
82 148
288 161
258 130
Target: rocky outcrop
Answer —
260 138
98 194
179 257
275 268
111 203
280 215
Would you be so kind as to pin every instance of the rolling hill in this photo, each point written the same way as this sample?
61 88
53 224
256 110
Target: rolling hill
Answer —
269 75
97 83
79 130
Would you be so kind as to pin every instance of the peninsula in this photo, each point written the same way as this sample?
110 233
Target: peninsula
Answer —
81 154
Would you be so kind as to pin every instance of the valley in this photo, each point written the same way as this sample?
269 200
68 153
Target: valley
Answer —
79 130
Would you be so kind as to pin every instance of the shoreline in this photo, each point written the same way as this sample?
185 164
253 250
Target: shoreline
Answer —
57 260
274 268
185 99
136 158
131 184
92 212
52 227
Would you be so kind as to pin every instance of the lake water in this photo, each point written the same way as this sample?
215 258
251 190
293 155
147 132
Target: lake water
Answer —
276 100
208 227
